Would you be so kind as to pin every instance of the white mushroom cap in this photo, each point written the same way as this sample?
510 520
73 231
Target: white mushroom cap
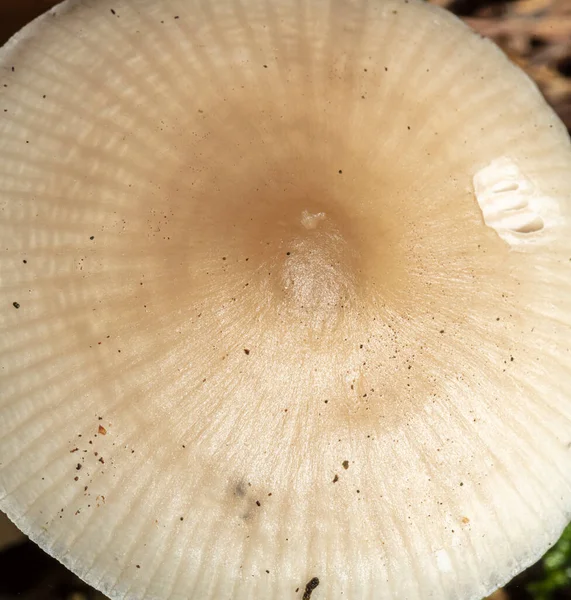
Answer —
285 300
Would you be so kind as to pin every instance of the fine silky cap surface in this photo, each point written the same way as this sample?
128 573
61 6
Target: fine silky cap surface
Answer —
285 301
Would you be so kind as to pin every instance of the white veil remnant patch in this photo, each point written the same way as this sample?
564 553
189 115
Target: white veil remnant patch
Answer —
311 220
511 203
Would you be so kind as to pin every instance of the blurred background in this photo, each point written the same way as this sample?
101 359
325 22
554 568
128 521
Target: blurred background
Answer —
535 34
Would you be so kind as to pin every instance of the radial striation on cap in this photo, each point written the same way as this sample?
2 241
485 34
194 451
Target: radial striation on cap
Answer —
285 301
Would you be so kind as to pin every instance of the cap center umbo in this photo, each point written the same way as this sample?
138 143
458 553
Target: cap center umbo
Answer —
319 269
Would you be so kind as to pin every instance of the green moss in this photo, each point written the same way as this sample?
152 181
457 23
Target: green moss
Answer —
556 566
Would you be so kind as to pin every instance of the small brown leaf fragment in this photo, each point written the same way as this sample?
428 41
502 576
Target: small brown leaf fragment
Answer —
102 430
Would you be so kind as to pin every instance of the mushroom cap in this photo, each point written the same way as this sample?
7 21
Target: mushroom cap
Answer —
285 300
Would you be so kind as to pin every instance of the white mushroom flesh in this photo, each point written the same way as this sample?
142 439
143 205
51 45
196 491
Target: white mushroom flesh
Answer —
285 293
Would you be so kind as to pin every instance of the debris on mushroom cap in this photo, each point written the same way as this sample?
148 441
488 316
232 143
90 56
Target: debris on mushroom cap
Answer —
297 301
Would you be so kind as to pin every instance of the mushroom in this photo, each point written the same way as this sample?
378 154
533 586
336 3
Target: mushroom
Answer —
285 300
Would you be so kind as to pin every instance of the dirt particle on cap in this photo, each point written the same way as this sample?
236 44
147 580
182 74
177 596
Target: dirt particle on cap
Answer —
345 464
102 430
246 351
310 586
336 478
16 304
